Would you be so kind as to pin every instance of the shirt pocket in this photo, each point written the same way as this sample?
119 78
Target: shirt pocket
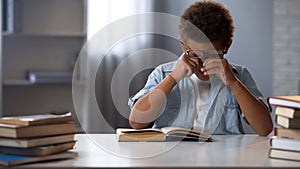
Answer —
232 116
170 111
230 102
174 99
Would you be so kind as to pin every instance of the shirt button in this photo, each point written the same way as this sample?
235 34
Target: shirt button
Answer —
196 115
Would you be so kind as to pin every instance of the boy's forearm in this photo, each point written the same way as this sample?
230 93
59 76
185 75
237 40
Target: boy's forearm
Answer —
146 108
256 113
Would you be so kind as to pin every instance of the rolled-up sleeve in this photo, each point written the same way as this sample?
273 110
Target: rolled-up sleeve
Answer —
153 80
250 84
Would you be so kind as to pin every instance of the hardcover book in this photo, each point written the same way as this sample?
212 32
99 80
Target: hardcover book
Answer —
163 134
18 131
38 151
287 112
288 123
285 143
285 132
12 160
287 101
37 141
284 154
30 120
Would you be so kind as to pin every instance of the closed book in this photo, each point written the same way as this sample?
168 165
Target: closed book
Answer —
288 123
37 141
162 134
18 131
40 119
284 154
287 112
38 151
286 101
12 160
285 143
288 133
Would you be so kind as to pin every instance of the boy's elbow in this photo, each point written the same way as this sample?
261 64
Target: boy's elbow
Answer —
137 125
267 130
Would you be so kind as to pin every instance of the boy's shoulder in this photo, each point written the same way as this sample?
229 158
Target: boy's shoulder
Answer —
167 67
239 69
241 72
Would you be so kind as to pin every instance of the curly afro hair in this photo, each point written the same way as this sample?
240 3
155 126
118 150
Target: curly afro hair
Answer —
212 18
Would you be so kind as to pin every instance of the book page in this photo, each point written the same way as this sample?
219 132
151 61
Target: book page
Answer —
170 130
125 130
189 132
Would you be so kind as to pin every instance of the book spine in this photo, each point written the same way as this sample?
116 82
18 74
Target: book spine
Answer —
271 140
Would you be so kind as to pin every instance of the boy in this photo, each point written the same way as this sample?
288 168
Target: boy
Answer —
201 90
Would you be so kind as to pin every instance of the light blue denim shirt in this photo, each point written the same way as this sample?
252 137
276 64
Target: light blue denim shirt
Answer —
224 114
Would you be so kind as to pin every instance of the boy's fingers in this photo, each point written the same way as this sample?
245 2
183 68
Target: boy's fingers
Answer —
190 63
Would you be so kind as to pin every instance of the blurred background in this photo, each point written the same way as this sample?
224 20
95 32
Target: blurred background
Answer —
42 39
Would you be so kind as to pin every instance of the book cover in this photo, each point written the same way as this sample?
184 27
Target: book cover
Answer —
287 112
12 160
287 101
30 120
288 123
38 151
18 131
285 143
284 154
285 132
163 134
34 142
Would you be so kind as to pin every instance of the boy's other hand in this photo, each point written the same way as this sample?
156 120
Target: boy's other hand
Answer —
221 68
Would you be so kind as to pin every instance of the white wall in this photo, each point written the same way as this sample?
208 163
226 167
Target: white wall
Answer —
1 59
252 45
286 47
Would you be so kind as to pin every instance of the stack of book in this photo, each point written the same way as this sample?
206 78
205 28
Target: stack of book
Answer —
26 139
285 144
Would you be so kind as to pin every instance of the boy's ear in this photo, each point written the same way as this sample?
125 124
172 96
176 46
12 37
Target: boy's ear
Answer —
226 48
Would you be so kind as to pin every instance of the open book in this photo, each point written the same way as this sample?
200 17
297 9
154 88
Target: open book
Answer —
163 134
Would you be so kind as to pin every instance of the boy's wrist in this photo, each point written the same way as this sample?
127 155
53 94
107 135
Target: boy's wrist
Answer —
234 84
175 77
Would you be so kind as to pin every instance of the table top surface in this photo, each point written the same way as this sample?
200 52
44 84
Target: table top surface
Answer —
103 150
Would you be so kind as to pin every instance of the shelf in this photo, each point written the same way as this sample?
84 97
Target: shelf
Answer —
20 83
46 35
17 83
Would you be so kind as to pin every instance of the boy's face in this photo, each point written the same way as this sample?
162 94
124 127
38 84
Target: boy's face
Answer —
200 51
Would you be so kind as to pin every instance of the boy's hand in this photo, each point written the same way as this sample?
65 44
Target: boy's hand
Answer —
184 68
221 68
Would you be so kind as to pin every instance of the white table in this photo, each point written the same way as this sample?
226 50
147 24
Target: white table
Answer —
104 151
